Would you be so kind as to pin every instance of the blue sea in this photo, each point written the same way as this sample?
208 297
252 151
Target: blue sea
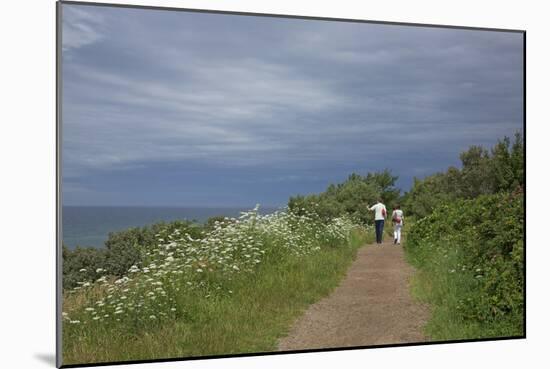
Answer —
90 225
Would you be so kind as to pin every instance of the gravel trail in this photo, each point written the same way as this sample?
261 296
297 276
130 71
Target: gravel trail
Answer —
372 306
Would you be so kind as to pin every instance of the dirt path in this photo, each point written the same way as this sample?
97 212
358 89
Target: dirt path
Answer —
372 306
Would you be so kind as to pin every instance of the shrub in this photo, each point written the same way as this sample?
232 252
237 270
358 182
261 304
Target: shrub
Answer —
349 198
122 250
471 252
483 172
81 264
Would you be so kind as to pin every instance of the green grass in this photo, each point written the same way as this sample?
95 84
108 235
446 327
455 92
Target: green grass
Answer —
443 295
261 309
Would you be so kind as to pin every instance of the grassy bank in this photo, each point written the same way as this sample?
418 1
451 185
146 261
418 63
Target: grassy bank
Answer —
469 256
235 291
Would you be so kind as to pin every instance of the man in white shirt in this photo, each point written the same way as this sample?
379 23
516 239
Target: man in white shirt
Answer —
379 217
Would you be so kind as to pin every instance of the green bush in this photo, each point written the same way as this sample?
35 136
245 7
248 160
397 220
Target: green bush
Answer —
122 250
483 172
128 247
349 198
470 257
81 265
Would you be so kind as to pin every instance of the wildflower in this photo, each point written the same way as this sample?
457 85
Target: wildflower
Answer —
152 317
133 269
82 270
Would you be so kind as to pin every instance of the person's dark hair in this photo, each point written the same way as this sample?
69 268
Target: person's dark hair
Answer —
398 206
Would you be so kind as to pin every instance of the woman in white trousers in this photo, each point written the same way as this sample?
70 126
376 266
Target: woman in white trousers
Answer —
397 219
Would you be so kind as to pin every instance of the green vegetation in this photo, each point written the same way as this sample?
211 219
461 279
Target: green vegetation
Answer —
482 173
350 197
234 289
183 289
126 248
469 249
122 250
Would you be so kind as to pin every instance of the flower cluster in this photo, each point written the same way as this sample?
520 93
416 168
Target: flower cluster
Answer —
148 293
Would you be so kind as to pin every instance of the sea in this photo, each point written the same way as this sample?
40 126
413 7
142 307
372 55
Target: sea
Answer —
89 226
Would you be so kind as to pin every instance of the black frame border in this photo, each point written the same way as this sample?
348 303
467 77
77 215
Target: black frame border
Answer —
58 119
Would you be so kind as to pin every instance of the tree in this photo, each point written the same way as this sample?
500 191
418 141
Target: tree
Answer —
483 172
350 197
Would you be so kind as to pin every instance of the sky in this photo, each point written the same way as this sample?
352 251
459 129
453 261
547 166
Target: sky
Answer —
166 108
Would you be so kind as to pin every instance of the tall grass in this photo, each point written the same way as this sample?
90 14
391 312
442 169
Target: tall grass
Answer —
236 290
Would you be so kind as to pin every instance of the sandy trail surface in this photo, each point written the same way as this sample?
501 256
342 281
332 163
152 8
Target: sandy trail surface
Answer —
371 306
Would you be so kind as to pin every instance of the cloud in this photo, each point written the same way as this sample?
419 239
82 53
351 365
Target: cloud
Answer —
304 100
81 27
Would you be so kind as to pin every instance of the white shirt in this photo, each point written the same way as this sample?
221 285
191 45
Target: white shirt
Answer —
378 211
398 213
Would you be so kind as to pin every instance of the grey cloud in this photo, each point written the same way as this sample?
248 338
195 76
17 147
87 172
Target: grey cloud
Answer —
248 92
80 28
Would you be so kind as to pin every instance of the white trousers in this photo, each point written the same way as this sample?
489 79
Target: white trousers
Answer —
397 232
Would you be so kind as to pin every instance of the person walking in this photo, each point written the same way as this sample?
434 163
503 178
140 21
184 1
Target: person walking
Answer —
379 216
397 218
